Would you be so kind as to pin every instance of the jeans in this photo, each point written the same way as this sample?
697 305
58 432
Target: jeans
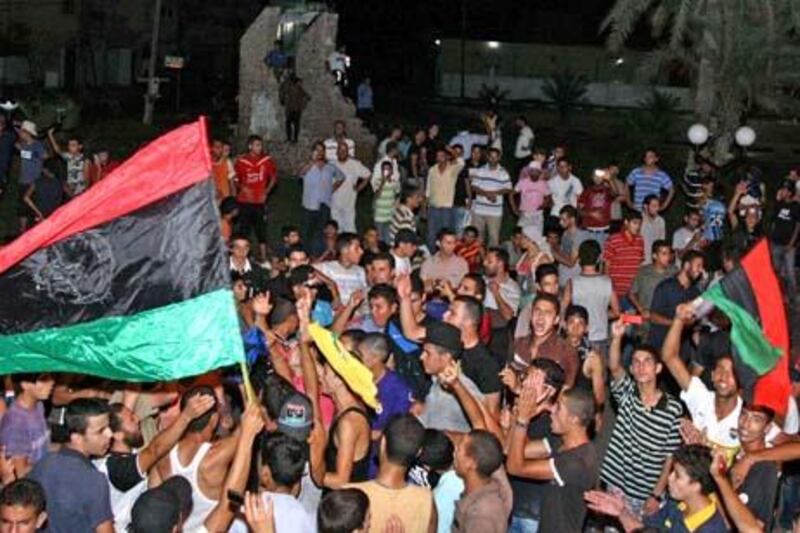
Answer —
438 219
488 227
459 216
783 259
313 224
600 236
383 232
292 125
523 525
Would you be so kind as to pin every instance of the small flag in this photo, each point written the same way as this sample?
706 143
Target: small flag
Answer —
751 297
129 280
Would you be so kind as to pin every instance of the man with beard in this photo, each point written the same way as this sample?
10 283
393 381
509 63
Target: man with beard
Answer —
680 288
127 466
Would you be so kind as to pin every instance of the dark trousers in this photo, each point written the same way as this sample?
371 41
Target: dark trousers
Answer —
292 125
313 224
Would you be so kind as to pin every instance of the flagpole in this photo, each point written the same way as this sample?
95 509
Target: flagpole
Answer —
250 394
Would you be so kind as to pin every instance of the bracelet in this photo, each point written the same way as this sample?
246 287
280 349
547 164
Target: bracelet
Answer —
521 423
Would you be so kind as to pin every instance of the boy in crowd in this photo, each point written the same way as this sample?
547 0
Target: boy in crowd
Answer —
653 226
23 508
24 433
77 164
256 176
471 248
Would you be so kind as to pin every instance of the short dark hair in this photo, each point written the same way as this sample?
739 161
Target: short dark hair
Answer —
547 269
199 424
658 244
332 223
286 458
407 192
769 412
345 239
296 247
580 404
114 418
282 310
554 374
473 308
494 150
501 255
437 450
446 231
253 138
576 310
79 411
649 198
376 344
385 291
417 285
631 214
486 451
342 511
480 283
546 297
589 253
696 460
569 210
691 255
289 228
24 492
404 437
649 350
382 256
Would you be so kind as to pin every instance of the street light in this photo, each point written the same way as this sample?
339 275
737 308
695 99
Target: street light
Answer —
745 136
493 44
697 134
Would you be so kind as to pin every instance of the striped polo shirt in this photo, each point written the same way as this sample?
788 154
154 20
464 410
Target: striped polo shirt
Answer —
641 440
384 201
623 254
490 180
645 184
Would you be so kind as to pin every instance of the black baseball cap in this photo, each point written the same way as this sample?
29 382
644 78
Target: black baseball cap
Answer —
445 336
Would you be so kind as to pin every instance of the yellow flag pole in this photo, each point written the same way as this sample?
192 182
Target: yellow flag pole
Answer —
250 394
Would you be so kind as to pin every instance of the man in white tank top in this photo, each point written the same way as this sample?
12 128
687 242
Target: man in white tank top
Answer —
202 462
127 466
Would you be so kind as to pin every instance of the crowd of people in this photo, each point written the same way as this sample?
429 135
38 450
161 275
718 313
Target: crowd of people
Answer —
561 380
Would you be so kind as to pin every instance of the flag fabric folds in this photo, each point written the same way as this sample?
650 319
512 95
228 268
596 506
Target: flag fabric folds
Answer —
129 280
752 299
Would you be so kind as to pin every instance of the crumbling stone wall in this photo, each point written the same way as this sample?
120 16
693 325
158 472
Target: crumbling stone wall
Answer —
259 110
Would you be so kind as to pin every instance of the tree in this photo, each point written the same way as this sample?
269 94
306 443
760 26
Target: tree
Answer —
732 48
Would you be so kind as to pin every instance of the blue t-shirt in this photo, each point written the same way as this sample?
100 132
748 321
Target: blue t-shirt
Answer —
70 510
395 398
671 518
714 213
31 158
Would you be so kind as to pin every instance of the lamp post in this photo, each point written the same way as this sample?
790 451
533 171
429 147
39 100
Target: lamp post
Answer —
697 135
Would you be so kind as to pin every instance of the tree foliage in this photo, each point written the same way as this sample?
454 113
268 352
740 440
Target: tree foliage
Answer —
734 50
566 90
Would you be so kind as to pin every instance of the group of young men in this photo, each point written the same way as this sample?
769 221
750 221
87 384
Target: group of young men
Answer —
558 381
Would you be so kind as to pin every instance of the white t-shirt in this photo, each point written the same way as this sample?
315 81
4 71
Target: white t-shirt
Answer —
337 61
524 142
489 180
652 230
699 401
564 192
332 144
402 265
348 280
681 238
345 196
290 516
510 292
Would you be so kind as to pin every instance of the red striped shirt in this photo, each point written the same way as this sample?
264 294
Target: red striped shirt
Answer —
623 255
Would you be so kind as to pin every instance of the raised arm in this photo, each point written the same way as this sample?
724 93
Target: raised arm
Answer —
531 403
615 367
411 330
737 512
670 352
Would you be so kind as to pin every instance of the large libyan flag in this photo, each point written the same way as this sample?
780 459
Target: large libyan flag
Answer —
752 298
130 279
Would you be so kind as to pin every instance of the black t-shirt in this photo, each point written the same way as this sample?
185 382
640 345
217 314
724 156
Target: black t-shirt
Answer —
576 471
528 493
667 296
48 194
460 196
479 366
123 470
784 221
758 491
431 146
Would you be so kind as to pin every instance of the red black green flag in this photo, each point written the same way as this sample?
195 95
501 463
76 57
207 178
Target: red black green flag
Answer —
752 299
129 280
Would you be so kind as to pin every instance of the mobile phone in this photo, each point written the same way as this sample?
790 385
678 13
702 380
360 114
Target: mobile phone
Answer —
632 319
235 498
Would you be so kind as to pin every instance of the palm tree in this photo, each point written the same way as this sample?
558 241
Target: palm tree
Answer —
734 50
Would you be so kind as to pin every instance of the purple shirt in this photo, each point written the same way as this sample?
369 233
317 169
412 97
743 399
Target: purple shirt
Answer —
24 432
395 398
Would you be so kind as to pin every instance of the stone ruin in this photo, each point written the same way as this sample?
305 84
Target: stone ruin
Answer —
260 111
